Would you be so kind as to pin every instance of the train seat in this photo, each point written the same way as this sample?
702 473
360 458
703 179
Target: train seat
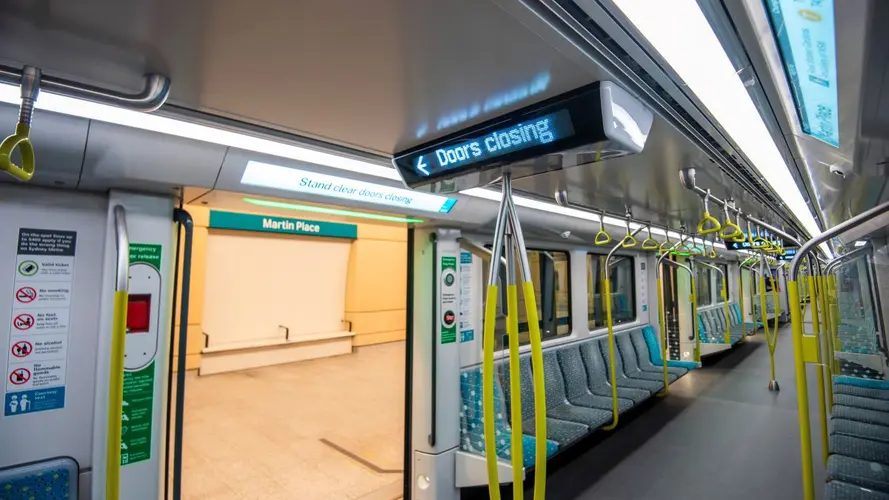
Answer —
471 421
865 473
645 356
860 448
600 381
846 427
861 402
578 387
628 379
630 360
864 392
838 490
558 405
860 415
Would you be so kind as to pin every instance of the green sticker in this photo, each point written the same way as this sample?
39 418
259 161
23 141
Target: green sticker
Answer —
136 420
273 224
150 254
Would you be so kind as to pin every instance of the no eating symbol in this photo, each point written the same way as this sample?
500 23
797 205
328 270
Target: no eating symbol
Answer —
20 376
23 321
25 295
22 348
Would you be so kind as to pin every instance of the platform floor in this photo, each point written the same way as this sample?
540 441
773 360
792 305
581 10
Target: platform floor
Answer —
720 435
327 429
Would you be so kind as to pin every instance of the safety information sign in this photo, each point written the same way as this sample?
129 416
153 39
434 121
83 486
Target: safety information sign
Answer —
136 417
37 350
448 310
467 334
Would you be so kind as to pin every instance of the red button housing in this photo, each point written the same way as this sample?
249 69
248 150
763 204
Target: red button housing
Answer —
139 313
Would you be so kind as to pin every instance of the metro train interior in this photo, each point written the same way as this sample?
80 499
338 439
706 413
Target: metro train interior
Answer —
441 250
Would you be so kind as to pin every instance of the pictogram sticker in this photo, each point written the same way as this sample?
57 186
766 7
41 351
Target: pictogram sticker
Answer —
22 348
23 321
25 295
20 376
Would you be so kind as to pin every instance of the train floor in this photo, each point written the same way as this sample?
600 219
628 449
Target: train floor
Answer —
325 429
720 434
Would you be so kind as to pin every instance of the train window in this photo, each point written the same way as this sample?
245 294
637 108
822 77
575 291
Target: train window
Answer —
719 281
623 290
550 273
702 279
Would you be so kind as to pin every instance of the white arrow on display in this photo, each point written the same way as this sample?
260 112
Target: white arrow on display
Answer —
421 165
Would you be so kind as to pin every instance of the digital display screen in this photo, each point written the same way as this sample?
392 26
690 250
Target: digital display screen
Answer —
538 131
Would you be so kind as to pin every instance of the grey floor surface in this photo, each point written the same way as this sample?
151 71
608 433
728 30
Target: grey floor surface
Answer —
720 434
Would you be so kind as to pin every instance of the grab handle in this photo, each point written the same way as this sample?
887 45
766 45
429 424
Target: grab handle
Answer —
736 230
21 139
602 237
649 243
714 225
118 351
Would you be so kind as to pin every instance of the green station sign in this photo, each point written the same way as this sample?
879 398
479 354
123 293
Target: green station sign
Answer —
281 225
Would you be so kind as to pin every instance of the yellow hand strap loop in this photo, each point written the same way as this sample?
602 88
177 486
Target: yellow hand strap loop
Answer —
759 242
649 243
21 139
629 241
730 230
602 237
695 250
667 245
740 237
713 250
714 225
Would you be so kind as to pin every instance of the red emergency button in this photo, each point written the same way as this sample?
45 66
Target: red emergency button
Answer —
138 313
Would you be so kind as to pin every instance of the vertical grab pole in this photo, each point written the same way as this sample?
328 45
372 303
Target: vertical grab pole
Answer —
515 373
741 301
536 347
660 315
183 218
822 391
488 356
694 310
118 349
771 338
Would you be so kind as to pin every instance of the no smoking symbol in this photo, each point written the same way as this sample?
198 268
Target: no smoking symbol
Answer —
20 376
22 348
25 295
23 322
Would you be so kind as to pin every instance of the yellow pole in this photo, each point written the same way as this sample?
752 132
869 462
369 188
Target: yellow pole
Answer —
539 391
802 395
741 302
115 396
765 321
822 391
515 390
694 319
728 322
488 393
661 323
612 369
827 337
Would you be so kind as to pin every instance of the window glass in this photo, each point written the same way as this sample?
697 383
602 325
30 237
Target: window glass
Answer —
702 283
719 281
623 290
551 277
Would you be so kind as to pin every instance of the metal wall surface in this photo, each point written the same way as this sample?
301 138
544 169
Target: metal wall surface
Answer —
66 431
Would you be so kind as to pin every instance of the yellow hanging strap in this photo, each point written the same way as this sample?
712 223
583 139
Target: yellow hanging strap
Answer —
611 356
730 230
629 240
822 390
602 237
802 394
21 139
667 245
758 242
649 243
708 223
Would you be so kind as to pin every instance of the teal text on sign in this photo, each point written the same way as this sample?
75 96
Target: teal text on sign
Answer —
271 224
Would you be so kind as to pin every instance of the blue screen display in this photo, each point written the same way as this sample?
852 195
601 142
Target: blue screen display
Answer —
804 30
534 132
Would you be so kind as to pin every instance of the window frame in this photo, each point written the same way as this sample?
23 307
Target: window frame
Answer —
596 257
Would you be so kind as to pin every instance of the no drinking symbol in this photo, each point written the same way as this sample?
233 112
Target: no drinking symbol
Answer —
22 348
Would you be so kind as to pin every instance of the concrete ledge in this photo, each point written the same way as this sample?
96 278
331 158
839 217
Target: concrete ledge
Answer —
256 354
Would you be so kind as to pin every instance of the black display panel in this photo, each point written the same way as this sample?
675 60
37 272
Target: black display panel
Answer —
566 122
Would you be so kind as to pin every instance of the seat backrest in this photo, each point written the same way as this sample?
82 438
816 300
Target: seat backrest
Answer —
737 309
571 362
643 355
618 363
720 315
596 372
718 329
708 327
556 392
624 345
472 433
